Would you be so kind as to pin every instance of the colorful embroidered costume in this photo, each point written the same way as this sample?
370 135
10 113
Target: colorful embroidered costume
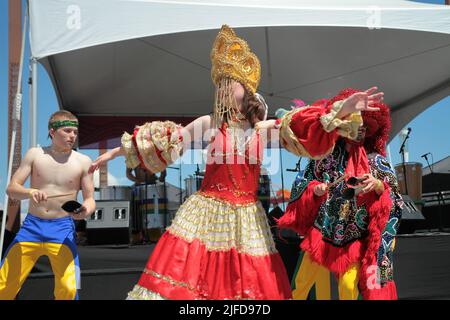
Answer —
353 238
55 238
219 245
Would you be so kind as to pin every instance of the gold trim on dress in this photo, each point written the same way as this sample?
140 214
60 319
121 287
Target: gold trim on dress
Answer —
228 203
141 293
169 280
221 226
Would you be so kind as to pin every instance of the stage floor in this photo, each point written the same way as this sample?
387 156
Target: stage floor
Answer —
422 269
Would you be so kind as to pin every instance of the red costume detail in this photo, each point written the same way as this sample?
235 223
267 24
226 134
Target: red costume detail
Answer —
213 274
301 213
182 269
309 131
378 123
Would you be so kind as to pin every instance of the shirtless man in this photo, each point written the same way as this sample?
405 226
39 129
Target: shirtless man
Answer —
57 174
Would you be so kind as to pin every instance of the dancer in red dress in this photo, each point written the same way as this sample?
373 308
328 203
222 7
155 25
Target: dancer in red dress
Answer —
219 245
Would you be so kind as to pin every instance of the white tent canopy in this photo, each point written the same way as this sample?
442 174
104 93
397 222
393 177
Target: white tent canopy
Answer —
142 57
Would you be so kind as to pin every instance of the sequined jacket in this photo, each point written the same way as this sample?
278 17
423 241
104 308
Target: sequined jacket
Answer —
342 221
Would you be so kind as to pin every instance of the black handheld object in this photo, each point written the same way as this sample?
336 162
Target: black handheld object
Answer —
71 206
353 181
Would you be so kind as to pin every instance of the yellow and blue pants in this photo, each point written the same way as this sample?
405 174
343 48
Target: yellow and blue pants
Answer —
312 281
55 238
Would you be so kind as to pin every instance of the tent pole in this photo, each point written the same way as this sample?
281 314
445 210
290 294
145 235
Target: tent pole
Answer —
16 126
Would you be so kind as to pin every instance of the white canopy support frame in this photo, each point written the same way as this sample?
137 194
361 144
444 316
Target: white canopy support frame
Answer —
33 102
16 123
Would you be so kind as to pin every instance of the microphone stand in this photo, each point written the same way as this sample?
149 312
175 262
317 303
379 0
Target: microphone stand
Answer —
402 152
197 178
297 166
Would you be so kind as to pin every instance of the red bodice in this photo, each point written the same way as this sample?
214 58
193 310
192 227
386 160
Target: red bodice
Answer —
233 167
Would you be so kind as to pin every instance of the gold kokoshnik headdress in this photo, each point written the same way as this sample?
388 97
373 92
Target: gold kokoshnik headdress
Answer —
232 59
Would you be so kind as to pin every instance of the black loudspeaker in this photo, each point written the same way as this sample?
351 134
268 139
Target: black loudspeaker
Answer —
110 223
412 217
436 209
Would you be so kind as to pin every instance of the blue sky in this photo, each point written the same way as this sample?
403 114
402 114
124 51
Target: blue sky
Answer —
430 130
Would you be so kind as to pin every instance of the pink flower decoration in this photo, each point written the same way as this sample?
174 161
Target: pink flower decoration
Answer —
298 103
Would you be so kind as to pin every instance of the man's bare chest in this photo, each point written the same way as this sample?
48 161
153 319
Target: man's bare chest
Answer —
48 171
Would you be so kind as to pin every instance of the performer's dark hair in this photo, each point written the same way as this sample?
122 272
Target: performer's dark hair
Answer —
254 109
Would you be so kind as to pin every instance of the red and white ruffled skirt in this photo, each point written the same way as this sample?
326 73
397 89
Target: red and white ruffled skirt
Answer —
215 250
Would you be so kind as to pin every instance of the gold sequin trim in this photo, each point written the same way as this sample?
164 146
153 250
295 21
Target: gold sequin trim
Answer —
169 280
235 192
348 127
131 158
147 149
220 226
141 293
228 203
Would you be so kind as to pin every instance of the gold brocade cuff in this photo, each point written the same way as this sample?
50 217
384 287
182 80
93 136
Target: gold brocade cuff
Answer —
347 127
157 145
131 158
289 140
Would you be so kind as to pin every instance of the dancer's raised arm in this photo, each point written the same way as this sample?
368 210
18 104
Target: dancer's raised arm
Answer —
156 144
311 131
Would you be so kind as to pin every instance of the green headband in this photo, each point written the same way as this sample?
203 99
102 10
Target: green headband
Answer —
62 123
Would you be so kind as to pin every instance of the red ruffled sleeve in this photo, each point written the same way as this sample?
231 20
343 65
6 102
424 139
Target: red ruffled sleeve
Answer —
312 131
